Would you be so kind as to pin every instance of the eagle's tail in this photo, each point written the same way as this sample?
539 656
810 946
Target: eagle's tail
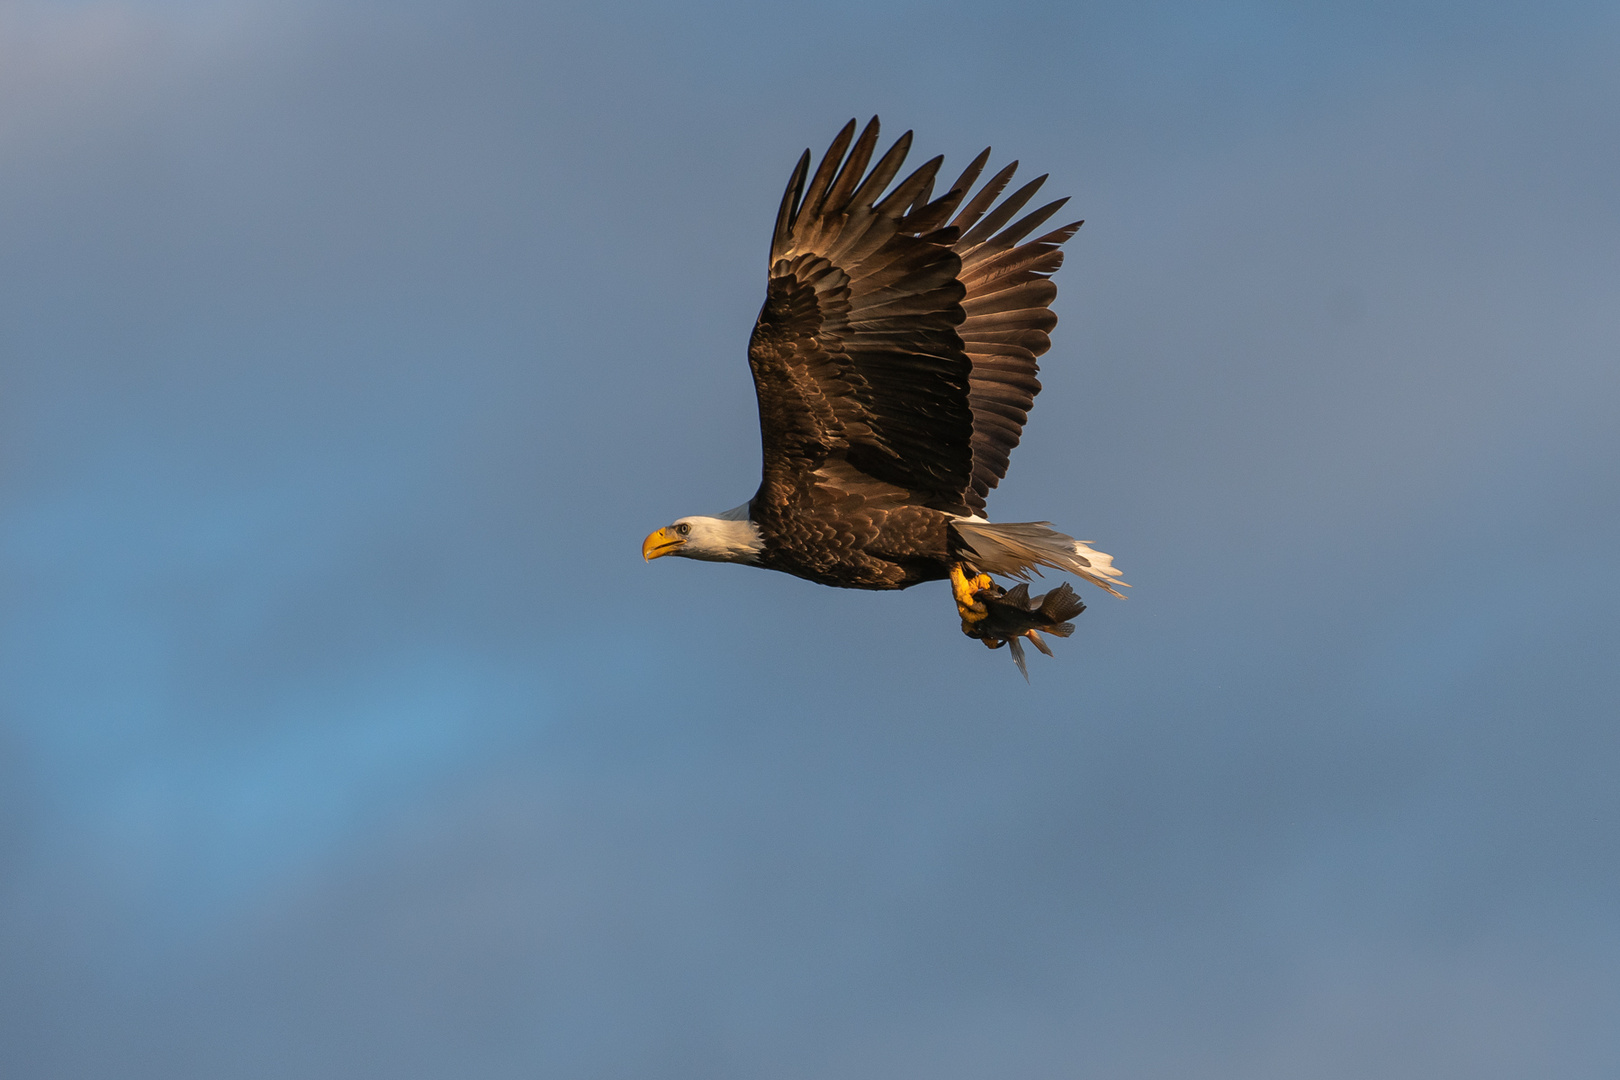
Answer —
1015 549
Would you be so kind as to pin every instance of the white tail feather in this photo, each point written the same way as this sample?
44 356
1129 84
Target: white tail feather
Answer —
1015 549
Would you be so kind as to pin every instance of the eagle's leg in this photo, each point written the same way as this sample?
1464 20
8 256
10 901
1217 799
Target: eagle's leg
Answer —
966 590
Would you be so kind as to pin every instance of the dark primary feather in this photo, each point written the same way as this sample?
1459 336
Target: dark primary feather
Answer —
1008 320
893 350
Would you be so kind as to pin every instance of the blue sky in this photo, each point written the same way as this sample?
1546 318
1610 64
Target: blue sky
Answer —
347 352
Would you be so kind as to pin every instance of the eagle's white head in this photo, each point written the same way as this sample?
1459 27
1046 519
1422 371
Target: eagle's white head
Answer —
728 537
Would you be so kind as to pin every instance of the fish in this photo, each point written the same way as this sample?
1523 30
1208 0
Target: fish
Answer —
1012 615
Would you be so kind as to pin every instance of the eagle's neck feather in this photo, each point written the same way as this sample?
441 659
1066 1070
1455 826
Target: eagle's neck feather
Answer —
727 537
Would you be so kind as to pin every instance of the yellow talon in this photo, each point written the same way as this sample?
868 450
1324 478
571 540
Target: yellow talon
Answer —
965 589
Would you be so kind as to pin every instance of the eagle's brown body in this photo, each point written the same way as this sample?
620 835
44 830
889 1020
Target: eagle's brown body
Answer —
834 536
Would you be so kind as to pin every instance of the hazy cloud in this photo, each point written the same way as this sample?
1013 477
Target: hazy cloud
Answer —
346 353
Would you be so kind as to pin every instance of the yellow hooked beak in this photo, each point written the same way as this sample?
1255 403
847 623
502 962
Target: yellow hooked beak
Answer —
659 544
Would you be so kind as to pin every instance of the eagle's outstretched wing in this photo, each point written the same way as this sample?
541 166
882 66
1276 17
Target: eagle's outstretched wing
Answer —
892 341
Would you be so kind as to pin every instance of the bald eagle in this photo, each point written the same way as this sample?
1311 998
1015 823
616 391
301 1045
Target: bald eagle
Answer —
894 361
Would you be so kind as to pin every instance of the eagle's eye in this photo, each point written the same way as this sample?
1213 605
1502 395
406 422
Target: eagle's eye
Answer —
683 528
